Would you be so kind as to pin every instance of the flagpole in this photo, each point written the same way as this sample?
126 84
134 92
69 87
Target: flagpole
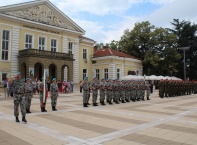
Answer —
44 89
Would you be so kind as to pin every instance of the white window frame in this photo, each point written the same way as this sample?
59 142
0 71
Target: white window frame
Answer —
107 73
69 47
56 44
118 73
84 53
97 73
29 43
45 43
85 74
9 45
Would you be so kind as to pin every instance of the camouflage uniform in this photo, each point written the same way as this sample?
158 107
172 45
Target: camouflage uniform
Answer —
19 97
109 87
54 95
127 92
133 91
28 96
94 86
102 92
116 93
86 93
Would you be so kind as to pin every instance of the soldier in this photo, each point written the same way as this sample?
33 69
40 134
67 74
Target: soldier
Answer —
28 94
127 91
94 86
43 102
161 89
133 88
142 90
54 94
147 87
102 91
19 96
109 88
86 91
122 92
116 92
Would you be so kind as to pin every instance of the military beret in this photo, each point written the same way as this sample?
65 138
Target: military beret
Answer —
86 78
53 79
27 79
18 73
102 79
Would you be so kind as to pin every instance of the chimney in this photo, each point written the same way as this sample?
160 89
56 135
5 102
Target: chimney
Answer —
104 47
95 49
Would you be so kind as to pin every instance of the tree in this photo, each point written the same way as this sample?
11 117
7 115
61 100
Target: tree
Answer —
186 37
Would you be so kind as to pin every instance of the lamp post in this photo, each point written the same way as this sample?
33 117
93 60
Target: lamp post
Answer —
184 48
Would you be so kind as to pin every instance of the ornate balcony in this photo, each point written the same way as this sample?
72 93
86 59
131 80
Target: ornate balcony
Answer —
44 54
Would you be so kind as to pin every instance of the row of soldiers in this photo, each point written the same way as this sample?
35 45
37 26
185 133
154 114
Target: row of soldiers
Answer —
172 88
114 91
23 93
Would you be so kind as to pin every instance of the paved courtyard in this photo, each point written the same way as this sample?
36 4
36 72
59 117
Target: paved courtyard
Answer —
168 121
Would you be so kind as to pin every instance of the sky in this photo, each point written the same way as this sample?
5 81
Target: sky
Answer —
106 20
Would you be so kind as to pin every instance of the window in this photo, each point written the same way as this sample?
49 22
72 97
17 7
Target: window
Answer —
5 44
41 44
84 53
70 47
118 73
97 74
53 45
28 41
84 73
4 76
106 73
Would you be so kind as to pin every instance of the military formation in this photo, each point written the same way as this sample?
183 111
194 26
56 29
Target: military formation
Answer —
114 91
173 88
23 93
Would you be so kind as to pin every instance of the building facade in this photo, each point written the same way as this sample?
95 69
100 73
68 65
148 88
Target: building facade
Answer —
36 36
109 63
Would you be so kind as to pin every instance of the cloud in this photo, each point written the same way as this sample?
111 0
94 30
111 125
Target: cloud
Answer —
178 9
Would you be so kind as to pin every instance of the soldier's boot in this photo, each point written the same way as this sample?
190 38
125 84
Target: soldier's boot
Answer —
17 120
87 103
110 103
123 101
44 109
23 119
29 110
148 98
117 102
53 108
104 103
94 104
127 100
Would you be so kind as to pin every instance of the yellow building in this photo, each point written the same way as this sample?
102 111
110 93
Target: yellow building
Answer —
108 63
35 36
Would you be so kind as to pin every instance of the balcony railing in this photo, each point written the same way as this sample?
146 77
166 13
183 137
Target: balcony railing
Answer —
44 54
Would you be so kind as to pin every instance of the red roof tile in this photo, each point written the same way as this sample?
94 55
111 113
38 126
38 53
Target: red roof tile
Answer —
112 52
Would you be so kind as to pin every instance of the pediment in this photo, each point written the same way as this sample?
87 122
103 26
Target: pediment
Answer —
45 13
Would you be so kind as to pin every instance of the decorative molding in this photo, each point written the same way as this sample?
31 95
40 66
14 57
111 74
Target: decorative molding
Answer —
14 51
42 14
118 58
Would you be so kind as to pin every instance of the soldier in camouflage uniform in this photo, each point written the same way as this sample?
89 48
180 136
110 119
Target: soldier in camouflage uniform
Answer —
29 94
42 102
147 88
133 88
109 88
94 86
122 92
54 94
19 96
142 90
116 92
86 87
127 91
102 91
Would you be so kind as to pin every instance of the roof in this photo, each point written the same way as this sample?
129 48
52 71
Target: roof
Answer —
112 52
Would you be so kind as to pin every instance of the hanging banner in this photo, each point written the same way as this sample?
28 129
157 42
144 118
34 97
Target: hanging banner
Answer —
31 71
46 70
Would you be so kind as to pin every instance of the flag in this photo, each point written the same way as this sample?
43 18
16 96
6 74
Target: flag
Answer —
45 91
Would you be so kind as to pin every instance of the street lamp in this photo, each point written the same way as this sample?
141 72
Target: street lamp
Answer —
184 48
